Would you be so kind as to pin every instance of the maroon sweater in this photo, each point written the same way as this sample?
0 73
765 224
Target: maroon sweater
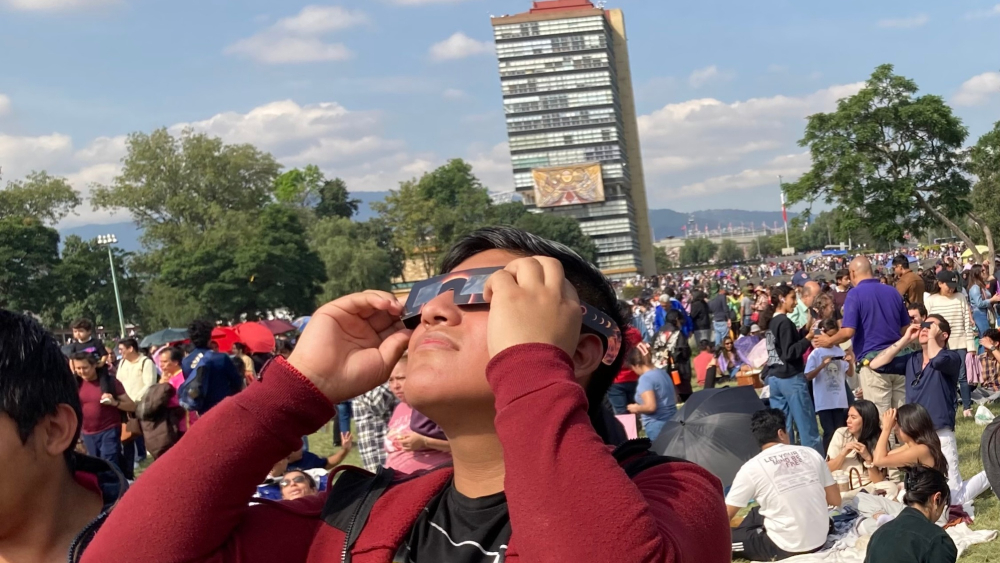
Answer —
568 498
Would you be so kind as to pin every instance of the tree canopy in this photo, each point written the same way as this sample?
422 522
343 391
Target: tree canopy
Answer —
890 160
39 196
729 252
697 251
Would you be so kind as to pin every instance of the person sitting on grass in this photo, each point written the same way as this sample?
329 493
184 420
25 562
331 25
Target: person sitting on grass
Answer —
912 536
297 484
852 446
655 396
793 487
517 383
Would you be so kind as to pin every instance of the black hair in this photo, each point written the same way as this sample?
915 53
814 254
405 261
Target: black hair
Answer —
843 273
590 284
778 294
914 420
200 333
943 325
175 354
977 277
131 343
35 378
919 308
901 260
83 357
765 424
993 334
673 318
829 324
930 282
922 483
241 348
283 345
745 330
871 424
83 324
706 346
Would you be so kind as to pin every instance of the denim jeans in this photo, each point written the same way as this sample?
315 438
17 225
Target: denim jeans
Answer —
621 395
982 321
652 427
721 331
106 445
963 383
791 396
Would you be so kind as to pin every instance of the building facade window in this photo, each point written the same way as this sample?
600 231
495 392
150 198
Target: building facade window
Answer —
549 65
559 101
550 27
559 82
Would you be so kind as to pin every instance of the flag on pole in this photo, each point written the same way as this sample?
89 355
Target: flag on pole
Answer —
784 212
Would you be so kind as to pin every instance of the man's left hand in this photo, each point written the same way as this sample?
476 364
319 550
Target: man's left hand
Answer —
532 302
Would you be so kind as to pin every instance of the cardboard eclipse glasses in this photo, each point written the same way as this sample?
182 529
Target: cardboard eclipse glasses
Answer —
467 289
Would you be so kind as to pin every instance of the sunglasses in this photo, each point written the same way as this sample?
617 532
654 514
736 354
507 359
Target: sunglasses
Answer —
467 290
926 324
298 480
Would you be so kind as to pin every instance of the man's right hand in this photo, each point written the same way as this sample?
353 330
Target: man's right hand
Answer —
351 345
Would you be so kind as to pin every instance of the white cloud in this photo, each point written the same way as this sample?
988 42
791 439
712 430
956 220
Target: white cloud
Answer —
494 168
4 105
703 76
300 38
787 166
982 14
459 46
978 90
913 21
454 94
705 146
55 5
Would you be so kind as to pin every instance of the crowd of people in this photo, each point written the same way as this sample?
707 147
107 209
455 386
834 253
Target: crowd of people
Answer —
471 419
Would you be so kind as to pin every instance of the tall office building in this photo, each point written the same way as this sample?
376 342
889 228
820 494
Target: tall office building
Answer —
574 140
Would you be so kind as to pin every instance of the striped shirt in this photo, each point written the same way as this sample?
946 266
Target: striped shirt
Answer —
955 310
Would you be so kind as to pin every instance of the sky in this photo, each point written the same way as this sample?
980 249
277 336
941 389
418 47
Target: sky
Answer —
380 91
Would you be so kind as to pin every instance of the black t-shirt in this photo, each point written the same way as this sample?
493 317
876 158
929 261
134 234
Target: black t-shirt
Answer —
92 346
458 529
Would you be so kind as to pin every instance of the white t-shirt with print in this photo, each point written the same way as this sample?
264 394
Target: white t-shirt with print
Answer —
828 387
788 482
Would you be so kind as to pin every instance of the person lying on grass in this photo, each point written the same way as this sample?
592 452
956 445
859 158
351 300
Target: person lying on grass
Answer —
500 359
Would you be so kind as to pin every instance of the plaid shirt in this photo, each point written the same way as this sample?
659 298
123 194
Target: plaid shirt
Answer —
991 371
372 412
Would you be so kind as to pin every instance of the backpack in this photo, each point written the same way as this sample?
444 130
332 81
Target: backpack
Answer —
191 393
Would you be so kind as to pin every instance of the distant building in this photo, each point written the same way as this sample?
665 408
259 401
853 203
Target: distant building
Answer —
571 121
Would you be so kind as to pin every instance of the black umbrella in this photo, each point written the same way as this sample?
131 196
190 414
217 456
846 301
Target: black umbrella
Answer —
165 336
712 429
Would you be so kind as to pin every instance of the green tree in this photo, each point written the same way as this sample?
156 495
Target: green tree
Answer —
888 159
85 287
354 261
410 217
769 245
179 188
985 164
697 251
336 201
663 263
299 188
29 252
729 252
43 197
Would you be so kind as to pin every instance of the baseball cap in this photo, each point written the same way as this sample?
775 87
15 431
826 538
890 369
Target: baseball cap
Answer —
948 277
799 279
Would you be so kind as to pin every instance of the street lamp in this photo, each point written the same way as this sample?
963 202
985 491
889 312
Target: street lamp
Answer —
108 240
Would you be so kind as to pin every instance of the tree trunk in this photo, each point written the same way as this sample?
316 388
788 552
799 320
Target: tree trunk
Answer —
988 233
951 225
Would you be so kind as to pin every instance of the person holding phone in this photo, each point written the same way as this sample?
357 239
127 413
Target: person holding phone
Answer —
102 412
828 368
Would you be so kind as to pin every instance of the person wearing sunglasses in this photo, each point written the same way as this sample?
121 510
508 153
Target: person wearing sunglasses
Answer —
297 484
513 367
932 384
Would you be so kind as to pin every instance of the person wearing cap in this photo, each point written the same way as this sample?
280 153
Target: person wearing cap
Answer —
908 283
874 319
951 304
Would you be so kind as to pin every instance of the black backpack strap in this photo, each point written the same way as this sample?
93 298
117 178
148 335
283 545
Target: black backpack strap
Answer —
351 499
636 456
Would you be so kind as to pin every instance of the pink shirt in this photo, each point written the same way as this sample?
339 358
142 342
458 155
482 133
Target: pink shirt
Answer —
189 416
402 460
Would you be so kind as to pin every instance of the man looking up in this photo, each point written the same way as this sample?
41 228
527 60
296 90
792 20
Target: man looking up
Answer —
792 485
52 500
515 382
909 285
874 319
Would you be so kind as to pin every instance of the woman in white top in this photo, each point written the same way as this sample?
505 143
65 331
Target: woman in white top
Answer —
853 446
954 307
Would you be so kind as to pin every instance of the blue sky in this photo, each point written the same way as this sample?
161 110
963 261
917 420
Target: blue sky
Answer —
378 91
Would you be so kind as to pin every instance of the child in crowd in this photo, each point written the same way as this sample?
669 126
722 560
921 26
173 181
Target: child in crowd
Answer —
828 369
655 396
705 358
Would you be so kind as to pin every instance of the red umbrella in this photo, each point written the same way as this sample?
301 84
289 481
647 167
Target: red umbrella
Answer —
256 336
225 337
278 326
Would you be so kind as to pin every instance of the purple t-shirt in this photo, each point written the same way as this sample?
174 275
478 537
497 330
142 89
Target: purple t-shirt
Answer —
877 314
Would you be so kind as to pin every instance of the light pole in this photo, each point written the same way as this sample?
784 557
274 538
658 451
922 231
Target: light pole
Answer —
108 240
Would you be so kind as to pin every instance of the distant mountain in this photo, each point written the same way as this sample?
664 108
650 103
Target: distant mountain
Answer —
665 222
668 223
